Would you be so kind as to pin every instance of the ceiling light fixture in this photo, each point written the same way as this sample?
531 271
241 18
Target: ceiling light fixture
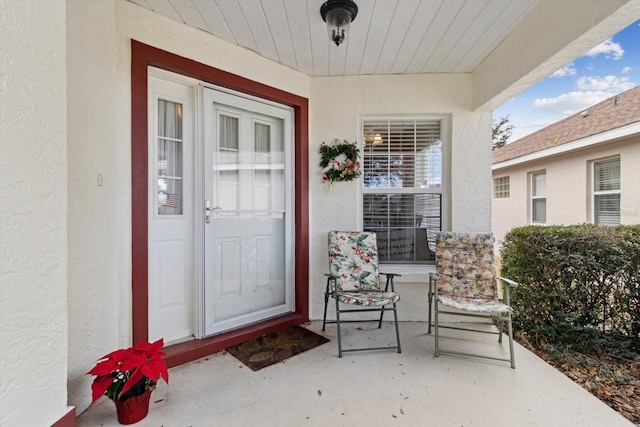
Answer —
338 14
371 138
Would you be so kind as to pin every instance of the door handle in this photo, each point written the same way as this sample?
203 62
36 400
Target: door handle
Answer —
207 211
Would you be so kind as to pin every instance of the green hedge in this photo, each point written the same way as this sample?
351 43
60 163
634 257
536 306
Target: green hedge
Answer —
579 285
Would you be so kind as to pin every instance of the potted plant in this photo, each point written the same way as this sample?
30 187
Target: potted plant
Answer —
128 376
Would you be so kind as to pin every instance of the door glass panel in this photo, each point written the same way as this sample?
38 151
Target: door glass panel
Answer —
169 162
228 160
228 133
262 135
262 175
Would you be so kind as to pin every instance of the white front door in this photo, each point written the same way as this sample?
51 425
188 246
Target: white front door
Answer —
220 209
248 202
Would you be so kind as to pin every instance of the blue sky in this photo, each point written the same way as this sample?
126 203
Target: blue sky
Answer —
606 70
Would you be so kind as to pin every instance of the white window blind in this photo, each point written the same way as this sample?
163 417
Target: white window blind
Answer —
402 180
606 192
539 198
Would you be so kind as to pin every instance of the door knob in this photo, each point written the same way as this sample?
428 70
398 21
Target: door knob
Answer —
207 211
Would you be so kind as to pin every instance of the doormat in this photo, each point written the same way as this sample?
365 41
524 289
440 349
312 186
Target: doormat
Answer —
276 347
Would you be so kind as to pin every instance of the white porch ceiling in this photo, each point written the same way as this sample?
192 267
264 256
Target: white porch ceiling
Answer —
387 36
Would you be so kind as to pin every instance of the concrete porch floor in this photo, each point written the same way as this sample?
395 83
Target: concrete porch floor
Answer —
378 388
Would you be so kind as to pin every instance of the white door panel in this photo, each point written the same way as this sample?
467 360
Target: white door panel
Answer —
248 263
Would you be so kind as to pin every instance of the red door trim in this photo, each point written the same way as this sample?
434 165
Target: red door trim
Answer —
143 56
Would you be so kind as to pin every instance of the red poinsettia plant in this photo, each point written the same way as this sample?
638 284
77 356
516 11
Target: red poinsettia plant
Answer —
129 372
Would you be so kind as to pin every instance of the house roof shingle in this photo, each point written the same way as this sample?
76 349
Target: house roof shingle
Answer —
612 113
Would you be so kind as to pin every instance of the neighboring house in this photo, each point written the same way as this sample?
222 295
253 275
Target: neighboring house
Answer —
126 187
582 169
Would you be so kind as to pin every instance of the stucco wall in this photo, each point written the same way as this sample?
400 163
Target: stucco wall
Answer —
568 187
33 214
99 193
337 105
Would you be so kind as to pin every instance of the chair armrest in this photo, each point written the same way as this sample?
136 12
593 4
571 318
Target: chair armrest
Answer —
391 275
509 282
512 284
330 289
433 287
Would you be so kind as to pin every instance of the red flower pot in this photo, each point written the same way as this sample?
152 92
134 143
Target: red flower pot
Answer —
133 409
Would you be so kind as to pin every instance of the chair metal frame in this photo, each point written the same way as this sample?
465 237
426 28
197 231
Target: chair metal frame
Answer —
332 291
501 318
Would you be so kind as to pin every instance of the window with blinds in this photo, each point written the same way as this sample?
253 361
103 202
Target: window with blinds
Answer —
402 187
606 192
539 197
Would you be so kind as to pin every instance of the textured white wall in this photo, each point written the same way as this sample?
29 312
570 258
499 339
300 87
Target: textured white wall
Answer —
337 104
99 215
569 187
33 214
508 212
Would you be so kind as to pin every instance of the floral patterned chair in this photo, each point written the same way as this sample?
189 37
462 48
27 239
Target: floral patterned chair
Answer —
465 284
354 281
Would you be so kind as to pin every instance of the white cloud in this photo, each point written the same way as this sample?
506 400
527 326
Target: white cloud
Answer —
570 103
626 70
608 48
567 70
606 83
522 129
591 90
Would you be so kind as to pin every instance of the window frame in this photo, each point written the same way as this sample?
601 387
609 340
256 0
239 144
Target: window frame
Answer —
535 197
142 57
445 183
595 193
